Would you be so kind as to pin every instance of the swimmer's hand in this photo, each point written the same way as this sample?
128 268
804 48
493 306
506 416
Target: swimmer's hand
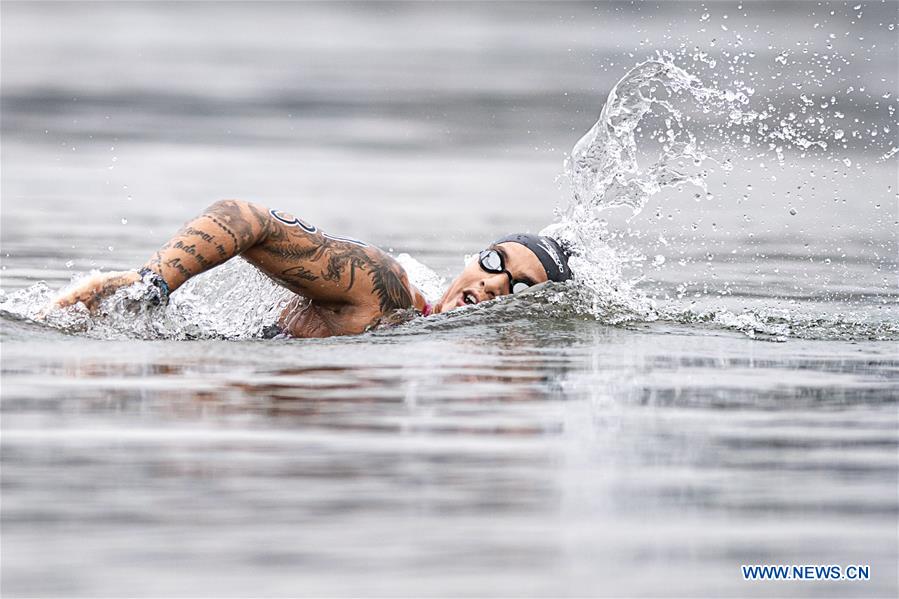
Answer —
95 289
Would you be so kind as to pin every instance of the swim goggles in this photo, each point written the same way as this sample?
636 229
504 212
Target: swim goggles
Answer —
492 261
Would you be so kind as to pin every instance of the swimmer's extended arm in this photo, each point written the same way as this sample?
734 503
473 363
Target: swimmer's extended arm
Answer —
296 255
222 231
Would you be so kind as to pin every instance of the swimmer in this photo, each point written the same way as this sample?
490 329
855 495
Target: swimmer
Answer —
343 286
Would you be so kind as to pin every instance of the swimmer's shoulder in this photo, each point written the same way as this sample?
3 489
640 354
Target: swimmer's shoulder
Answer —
390 284
383 286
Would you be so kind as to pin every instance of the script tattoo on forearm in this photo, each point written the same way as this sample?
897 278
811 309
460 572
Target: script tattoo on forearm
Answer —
188 230
299 273
224 230
176 264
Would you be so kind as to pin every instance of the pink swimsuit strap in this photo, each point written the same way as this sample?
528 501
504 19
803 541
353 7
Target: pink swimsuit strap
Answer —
428 309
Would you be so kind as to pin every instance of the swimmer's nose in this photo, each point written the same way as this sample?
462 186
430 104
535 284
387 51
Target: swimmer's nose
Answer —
493 286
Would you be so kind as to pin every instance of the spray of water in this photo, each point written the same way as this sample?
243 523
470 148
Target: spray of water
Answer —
605 172
677 117
655 132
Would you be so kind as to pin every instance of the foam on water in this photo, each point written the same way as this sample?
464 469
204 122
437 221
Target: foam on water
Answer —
235 301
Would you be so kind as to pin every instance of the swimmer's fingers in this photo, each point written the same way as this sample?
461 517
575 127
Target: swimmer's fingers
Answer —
95 289
83 294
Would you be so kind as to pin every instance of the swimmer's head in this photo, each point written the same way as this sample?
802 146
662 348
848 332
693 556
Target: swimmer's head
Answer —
508 265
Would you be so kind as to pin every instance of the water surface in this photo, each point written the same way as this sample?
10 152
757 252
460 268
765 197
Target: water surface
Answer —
528 448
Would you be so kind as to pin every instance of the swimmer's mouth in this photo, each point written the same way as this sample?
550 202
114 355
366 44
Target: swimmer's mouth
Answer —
469 298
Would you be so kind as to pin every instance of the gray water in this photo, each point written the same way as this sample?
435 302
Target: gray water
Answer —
537 447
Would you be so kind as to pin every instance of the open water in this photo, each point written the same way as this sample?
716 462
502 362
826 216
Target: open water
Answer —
718 388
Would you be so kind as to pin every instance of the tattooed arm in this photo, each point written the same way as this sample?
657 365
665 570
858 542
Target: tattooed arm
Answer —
222 231
331 271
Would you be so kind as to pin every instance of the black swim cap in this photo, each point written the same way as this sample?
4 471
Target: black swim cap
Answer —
551 255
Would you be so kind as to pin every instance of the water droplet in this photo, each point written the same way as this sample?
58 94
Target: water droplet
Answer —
70 263
793 212
124 221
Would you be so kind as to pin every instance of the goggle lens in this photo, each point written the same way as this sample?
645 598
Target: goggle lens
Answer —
491 261
519 286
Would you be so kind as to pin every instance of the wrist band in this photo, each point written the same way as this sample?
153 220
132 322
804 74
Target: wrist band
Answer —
157 284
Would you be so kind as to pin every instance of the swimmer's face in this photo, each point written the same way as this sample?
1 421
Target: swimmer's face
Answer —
475 285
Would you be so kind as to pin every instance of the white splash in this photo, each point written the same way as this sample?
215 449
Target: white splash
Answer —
425 280
676 116
235 301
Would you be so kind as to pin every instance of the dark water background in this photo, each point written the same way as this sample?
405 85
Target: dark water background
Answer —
505 455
